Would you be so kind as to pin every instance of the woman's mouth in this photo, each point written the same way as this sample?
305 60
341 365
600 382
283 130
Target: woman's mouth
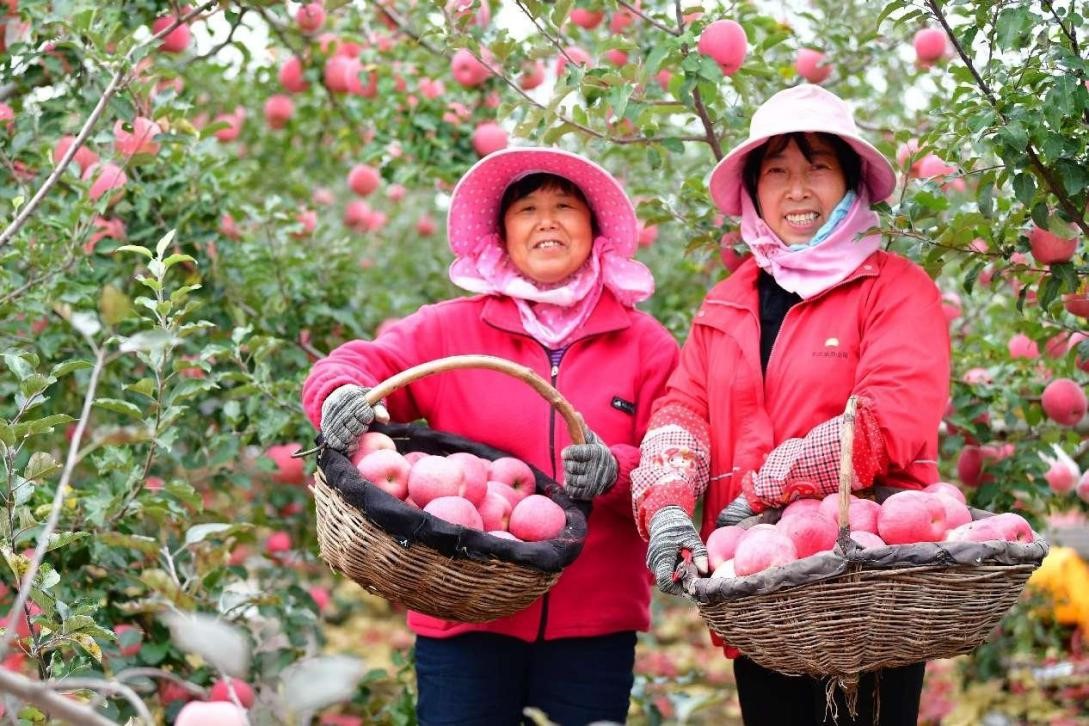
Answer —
547 244
801 219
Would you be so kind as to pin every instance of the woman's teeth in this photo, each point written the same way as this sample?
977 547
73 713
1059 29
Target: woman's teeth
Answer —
547 244
807 218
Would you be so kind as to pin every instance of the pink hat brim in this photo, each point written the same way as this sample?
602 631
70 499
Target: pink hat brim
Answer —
727 186
474 203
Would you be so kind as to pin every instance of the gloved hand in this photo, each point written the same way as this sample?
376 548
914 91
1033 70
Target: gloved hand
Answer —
734 512
589 469
671 532
345 416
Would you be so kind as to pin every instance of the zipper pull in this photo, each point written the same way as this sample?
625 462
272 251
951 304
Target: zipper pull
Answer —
555 371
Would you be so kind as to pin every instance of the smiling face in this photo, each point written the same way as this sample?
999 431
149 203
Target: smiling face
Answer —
796 194
549 233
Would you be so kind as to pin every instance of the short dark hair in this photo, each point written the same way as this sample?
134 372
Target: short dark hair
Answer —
521 188
848 158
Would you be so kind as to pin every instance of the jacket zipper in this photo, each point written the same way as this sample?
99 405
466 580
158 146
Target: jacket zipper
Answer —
554 372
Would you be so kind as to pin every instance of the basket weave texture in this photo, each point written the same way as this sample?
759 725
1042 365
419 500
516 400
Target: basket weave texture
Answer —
851 611
414 559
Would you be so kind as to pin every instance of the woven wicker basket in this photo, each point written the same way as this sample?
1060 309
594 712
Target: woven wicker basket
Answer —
467 586
867 617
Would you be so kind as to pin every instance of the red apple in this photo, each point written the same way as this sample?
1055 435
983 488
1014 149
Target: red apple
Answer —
363 179
278 542
291 76
981 530
467 70
801 506
1077 304
515 473
722 543
476 475
909 517
1064 402
533 75
648 234
588 19
220 691
310 17
495 511
1048 248
177 40
867 540
308 219
811 532
489 137
456 510
1060 477
536 519
726 568
169 691
372 441
83 156
507 492
1022 346
288 469
129 639
956 511
278 111
725 42
758 551
929 45
947 489
413 456
1082 489
140 140
425 226
320 596
199 713
862 515
387 470
107 177
435 476
577 55
1014 527
617 57
970 466
810 65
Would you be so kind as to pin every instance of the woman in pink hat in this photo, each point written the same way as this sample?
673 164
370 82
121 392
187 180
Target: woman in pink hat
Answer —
544 239
820 313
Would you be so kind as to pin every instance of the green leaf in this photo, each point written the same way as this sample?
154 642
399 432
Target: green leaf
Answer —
18 365
41 425
7 435
164 242
63 369
1049 290
1024 188
118 406
62 539
137 249
41 465
34 384
147 545
175 259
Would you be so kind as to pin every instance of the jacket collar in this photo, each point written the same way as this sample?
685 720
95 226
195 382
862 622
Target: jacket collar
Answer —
740 288
609 315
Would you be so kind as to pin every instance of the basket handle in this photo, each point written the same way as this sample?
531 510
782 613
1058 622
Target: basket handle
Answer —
455 362
846 471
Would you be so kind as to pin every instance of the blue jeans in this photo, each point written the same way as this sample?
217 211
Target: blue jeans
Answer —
484 679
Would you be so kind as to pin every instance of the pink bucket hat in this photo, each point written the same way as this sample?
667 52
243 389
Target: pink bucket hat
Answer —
474 205
805 108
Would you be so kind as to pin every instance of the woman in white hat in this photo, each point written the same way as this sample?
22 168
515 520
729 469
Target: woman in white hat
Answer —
544 238
820 313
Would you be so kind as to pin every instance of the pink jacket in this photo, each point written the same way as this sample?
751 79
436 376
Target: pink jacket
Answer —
611 375
879 334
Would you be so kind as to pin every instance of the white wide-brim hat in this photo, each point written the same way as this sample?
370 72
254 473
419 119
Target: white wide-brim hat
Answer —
474 204
803 108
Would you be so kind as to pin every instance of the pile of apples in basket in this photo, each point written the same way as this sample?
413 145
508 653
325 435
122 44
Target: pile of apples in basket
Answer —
496 497
937 513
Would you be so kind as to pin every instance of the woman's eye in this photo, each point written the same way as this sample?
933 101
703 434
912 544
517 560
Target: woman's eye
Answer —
774 170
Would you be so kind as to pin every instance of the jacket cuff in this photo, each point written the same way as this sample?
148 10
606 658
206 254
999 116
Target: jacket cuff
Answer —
675 493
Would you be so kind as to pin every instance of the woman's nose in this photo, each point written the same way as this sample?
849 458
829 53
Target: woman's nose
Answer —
798 187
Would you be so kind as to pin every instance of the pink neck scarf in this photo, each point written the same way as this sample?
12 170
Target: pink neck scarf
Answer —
814 269
553 314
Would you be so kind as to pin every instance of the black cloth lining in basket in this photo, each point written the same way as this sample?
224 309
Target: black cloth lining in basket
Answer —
410 525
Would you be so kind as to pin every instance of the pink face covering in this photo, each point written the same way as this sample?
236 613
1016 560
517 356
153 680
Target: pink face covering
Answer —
553 314
812 270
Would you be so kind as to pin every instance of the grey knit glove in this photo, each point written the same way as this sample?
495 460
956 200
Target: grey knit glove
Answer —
671 533
345 416
589 469
734 512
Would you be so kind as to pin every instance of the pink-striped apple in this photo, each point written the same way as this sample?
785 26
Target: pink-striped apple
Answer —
387 470
515 473
435 476
536 519
456 510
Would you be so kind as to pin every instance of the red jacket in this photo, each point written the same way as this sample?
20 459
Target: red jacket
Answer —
880 334
623 355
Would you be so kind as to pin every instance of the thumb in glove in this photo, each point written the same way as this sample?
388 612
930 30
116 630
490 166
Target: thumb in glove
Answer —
345 416
671 535
589 469
734 512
